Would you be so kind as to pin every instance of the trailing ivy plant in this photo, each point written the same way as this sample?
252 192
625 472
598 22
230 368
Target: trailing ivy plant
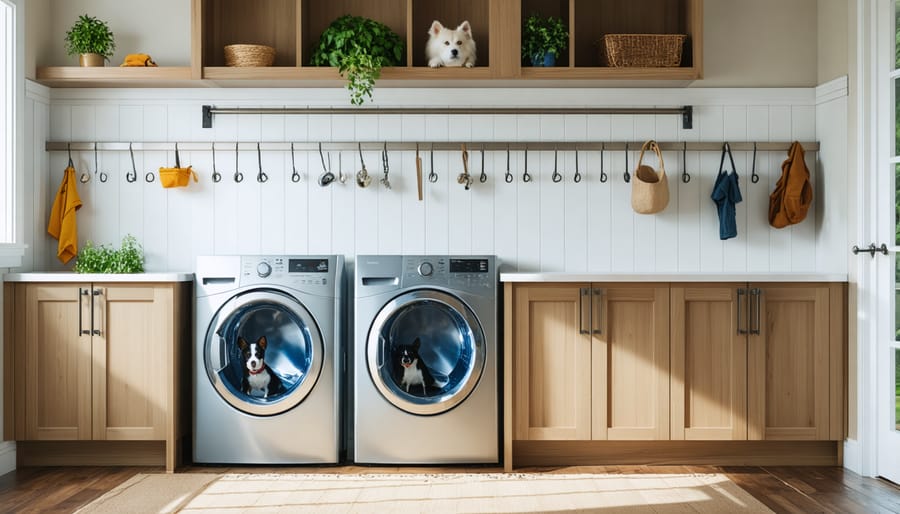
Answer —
90 35
543 36
358 47
129 258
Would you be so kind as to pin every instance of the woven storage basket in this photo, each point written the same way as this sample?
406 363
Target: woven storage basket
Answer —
249 55
644 50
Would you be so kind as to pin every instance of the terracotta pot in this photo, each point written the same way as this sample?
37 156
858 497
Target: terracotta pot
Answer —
92 60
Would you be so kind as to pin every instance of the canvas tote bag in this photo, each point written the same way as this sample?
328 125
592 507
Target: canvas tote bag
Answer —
649 188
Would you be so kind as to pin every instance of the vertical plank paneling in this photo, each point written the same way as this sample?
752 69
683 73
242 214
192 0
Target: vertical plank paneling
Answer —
506 242
735 250
437 212
575 220
460 226
780 128
529 198
248 192
622 218
390 203
599 209
666 241
343 197
319 199
131 194
711 121
689 197
413 223
645 225
28 225
552 197
756 196
178 200
84 128
107 209
226 192
483 193
803 235
155 198
272 198
296 206
830 183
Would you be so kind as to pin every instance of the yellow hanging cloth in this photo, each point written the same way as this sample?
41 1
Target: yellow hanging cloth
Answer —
62 223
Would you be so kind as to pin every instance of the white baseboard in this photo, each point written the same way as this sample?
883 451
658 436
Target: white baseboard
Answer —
853 456
7 457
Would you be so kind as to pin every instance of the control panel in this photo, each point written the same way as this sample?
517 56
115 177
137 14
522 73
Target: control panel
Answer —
454 272
285 270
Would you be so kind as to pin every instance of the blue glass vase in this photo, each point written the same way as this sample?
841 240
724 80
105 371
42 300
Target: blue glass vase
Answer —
545 60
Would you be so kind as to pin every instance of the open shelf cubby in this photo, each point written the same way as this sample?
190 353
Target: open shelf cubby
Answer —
261 22
316 15
451 13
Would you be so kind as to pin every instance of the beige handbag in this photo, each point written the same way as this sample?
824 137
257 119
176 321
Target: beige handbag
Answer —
649 189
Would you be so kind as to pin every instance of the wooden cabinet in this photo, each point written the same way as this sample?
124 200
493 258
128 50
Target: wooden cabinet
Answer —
293 28
96 361
757 362
591 362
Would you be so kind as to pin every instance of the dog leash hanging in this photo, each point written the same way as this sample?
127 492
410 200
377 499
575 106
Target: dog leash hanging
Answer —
509 176
464 177
295 175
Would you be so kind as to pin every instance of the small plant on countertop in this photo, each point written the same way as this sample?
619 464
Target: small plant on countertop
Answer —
358 47
101 259
90 35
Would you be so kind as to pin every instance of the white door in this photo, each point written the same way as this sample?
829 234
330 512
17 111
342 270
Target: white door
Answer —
888 271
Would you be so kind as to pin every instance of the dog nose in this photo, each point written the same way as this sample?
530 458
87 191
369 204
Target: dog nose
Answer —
454 52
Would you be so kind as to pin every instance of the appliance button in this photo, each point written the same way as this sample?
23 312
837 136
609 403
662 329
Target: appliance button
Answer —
426 269
263 269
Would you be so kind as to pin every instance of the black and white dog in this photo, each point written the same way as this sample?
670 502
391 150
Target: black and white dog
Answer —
411 368
259 380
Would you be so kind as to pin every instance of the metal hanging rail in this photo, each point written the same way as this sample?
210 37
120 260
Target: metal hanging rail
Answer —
686 112
437 146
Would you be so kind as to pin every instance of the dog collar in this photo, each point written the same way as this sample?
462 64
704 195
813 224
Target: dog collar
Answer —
257 372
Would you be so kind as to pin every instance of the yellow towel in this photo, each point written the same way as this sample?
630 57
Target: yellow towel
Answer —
62 224
138 60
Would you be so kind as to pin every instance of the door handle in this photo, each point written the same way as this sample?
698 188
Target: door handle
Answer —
81 331
754 306
598 306
740 294
96 293
584 301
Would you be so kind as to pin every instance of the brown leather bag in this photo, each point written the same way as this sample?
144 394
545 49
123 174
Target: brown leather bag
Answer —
793 194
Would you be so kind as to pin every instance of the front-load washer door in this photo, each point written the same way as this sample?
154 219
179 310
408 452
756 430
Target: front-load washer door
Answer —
293 352
425 351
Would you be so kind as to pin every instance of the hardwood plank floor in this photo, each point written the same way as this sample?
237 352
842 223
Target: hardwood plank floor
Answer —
801 490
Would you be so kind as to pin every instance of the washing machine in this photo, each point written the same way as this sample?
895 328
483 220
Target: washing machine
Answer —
267 359
425 360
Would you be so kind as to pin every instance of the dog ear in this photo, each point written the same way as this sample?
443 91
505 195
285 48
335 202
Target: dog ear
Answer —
417 343
436 28
261 342
465 27
242 343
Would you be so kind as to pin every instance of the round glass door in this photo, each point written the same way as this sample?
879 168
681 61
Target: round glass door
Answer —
425 352
263 352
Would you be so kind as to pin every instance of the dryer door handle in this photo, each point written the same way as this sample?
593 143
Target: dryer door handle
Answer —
219 359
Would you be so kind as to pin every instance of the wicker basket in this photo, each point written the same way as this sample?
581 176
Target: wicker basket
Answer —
644 50
249 55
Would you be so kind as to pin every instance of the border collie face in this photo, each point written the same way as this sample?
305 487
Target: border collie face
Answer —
254 354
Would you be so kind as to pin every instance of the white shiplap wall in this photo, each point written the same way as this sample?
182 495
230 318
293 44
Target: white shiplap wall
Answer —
539 226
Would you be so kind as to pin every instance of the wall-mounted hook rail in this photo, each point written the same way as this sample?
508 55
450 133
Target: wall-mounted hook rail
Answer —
686 112
443 146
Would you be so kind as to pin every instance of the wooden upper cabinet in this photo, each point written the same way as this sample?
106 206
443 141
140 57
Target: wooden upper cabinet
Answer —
709 362
788 367
552 366
630 362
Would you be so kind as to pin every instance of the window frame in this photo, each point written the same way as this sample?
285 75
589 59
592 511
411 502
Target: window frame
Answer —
12 248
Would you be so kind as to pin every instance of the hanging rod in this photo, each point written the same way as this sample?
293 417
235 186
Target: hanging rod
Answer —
686 112
439 146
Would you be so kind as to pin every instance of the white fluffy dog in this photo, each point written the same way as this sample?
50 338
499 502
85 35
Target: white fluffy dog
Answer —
448 47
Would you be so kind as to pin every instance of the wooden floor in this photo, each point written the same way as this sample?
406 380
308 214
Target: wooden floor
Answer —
782 489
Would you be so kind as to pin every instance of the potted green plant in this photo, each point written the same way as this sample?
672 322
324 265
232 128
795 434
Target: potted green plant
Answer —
358 47
543 39
102 259
92 39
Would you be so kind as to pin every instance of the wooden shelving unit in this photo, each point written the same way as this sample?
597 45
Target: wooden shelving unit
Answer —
293 28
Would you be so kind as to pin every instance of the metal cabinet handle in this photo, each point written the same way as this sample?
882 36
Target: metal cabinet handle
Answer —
740 294
598 297
81 330
96 293
754 306
584 301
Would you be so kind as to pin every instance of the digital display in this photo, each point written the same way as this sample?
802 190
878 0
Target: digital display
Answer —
307 265
468 266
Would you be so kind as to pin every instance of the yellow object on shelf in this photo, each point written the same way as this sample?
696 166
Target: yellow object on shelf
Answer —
138 60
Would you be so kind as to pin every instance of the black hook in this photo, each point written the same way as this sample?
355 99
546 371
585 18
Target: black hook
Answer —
433 176
557 178
238 176
526 177
577 177
685 176
627 175
149 177
603 176
131 176
216 176
509 177
753 176
102 174
327 177
295 176
69 150
260 177
483 177
86 175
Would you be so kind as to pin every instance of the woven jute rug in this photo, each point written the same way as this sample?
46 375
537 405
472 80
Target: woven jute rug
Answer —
452 493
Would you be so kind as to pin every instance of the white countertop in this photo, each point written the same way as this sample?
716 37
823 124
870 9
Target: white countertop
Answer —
61 276
672 277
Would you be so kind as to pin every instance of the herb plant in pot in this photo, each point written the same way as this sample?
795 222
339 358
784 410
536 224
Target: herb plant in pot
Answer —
543 39
92 39
358 47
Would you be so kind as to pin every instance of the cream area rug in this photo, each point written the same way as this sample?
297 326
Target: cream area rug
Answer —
451 493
